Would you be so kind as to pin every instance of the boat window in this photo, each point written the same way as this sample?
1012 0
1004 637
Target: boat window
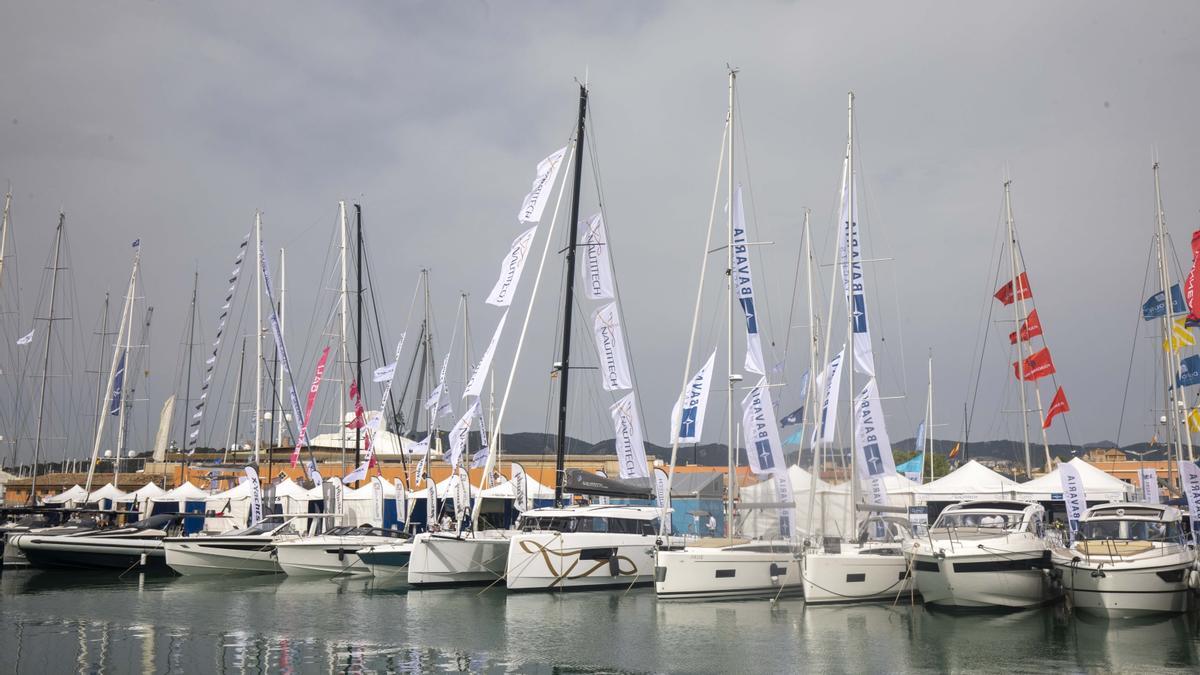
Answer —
993 521
592 524
1129 530
264 527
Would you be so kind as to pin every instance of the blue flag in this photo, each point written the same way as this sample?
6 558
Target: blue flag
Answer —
1156 305
1189 371
794 417
920 442
796 438
118 383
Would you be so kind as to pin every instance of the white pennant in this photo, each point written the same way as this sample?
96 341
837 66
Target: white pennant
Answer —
475 385
743 285
630 446
511 268
385 373
27 339
764 452
539 193
460 432
610 347
850 262
597 271
830 382
874 448
689 428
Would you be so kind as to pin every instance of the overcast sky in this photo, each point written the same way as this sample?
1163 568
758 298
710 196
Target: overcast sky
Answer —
174 123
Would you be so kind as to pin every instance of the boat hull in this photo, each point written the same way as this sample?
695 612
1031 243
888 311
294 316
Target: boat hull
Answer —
91 552
1001 580
443 560
388 563
715 573
856 575
552 561
195 556
1125 590
325 555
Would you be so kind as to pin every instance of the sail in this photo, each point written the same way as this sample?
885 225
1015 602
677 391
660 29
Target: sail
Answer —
871 442
164 429
743 285
853 281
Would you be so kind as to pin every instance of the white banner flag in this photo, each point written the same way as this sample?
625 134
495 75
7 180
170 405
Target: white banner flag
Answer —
1148 478
256 503
850 262
385 373
662 497
631 448
430 503
520 481
460 432
475 385
1189 479
743 288
1074 498
597 271
510 269
435 398
784 494
539 193
764 452
27 339
830 382
874 448
462 496
401 501
688 428
610 348
355 475
377 499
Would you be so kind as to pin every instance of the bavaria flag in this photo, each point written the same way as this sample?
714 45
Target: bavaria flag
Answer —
794 417
1189 371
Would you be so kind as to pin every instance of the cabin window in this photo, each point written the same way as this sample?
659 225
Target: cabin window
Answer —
853 578
726 574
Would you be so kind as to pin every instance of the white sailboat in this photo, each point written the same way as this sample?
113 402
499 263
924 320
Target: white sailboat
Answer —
866 561
719 567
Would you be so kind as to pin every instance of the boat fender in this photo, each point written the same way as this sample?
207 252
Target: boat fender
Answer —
1193 579
142 560
614 565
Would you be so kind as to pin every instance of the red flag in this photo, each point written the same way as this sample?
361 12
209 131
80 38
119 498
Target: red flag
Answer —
1036 366
1058 406
1005 294
359 418
308 406
1031 327
1190 292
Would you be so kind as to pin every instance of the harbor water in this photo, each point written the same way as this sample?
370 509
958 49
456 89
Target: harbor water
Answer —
56 622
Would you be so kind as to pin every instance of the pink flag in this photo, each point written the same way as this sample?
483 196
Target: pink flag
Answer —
308 406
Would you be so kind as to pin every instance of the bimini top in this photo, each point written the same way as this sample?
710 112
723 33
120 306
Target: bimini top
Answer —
1132 511
597 511
993 505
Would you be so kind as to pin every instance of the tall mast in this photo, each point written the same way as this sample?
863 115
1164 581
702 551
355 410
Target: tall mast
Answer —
191 342
564 371
126 312
1170 357
929 420
358 335
1017 308
258 335
851 214
810 393
283 330
731 440
37 444
341 422
126 382
100 365
4 234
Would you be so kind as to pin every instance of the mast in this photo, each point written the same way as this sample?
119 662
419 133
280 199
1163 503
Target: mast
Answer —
1170 356
126 381
564 371
810 392
237 405
358 335
731 439
1017 310
37 445
130 386
126 312
851 214
929 420
191 341
258 337
4 234
283 331
341 423
100 365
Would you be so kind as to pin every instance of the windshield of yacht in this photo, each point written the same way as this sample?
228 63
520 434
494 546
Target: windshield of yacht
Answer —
1010 522
588 524
264 527
1129 530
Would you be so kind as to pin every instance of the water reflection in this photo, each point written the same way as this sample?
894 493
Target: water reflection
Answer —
99 623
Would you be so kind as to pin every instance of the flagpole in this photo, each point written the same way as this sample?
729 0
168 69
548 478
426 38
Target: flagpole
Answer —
851 215
344 330
282 330
929 420
37 444
811 390
258 337
125 388
1171 356
731 447
1018 308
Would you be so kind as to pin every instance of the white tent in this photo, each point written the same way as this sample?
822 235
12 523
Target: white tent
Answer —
828 513
445 490
74 494
969 481
109 492
506 490
1098 486
385 444
139 499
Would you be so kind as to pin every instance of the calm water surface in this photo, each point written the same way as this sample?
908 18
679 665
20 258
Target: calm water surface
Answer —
74 622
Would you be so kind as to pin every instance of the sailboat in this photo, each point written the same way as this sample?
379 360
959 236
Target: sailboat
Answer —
587 546
995 553
719 567
865 561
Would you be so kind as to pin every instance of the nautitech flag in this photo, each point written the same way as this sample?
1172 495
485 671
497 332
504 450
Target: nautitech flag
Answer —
1057 407
597 272
630 444
687 418
853 279
511 268
27 339
539 193
475 384
610 348
743 288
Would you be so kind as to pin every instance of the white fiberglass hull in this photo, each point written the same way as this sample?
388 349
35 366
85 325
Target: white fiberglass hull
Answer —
1008 578
552 561
1125 588
326 555
732 572
221 555
447 560
856 574
387 562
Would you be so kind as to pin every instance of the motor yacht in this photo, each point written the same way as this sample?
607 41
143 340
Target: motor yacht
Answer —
1128 560
986 554
249 550
139 544
334 552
